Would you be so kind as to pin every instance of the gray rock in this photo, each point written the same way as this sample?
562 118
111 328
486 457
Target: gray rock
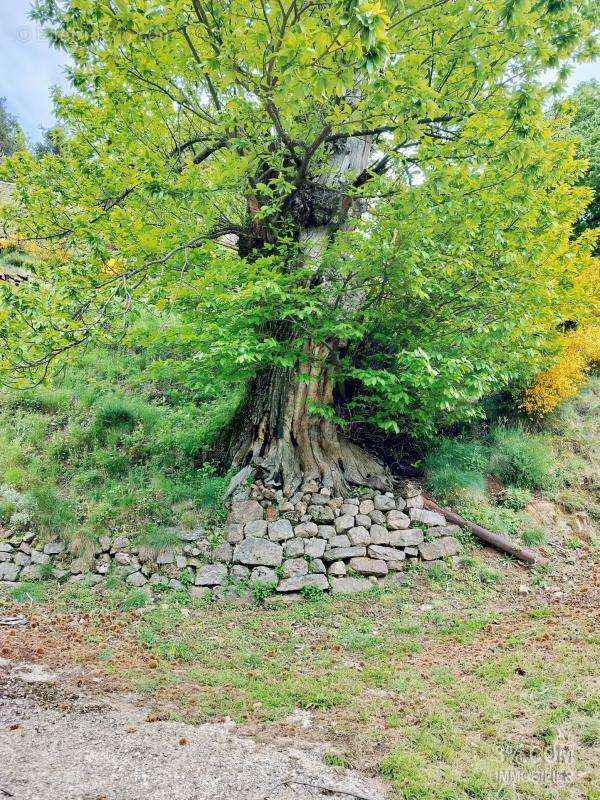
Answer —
383 503
326 531
385 553
363 520
339 553
165 557
443 530
8 571
377 517
245 511
339 541
104 543
200 592
22 559
409 538
349 509
396 520
257 527
344 523
78 565
369 566
350 585
366 507
211 575
281 530
5 547
314 548
59 574
102 567
318 499
321 514
317 566
223 552
400 503
379 534
263 575
240 573
430 518
411 552
414 502
300 582
54 548
120 543
359 535
440 548
32 572
337 569
294 566
136 579
255 552
306 530
123 559
174 583
180 562
6 556
38 557
234 532
294 547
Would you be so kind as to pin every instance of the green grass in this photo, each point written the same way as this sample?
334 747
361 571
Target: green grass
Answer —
105 448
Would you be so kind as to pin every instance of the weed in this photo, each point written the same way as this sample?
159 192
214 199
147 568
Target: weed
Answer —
523 459
590 735
32 592
261 590
338 760
533 536
456 465
516 497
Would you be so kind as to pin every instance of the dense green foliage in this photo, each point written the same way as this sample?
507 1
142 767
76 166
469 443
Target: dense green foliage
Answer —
585 124
195 162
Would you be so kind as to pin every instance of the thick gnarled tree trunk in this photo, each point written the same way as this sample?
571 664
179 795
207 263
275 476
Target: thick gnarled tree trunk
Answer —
285 444
281 441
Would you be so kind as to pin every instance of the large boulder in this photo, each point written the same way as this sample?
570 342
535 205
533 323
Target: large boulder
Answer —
440 548
211 575
245 511
257 552
369 566
429 518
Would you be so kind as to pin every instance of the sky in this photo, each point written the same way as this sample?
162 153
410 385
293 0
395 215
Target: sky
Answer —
29 68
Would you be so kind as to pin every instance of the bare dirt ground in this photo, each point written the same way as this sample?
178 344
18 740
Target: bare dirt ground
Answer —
57 742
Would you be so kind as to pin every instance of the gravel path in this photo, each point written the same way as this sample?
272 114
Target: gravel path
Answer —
58 744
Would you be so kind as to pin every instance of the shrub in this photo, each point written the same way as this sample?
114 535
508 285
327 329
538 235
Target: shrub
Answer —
580 352
49 512
114 414
523 459
456 465
516 498
533 537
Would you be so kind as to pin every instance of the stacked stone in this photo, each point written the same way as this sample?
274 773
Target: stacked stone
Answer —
315 539
309 539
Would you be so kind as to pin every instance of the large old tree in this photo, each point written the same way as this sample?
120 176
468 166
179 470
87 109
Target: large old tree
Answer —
356 208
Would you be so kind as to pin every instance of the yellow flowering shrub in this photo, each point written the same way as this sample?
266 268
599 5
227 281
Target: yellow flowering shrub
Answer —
579 353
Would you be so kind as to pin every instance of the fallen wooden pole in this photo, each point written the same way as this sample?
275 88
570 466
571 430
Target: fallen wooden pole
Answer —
502 543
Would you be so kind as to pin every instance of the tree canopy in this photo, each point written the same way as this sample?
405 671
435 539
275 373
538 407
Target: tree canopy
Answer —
373 186
12 137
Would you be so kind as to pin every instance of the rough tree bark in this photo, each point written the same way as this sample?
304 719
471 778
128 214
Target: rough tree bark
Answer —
281 440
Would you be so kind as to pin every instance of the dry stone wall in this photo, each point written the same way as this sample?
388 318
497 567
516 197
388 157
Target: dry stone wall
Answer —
290 544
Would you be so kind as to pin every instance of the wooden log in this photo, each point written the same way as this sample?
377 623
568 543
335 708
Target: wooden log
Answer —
497 540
